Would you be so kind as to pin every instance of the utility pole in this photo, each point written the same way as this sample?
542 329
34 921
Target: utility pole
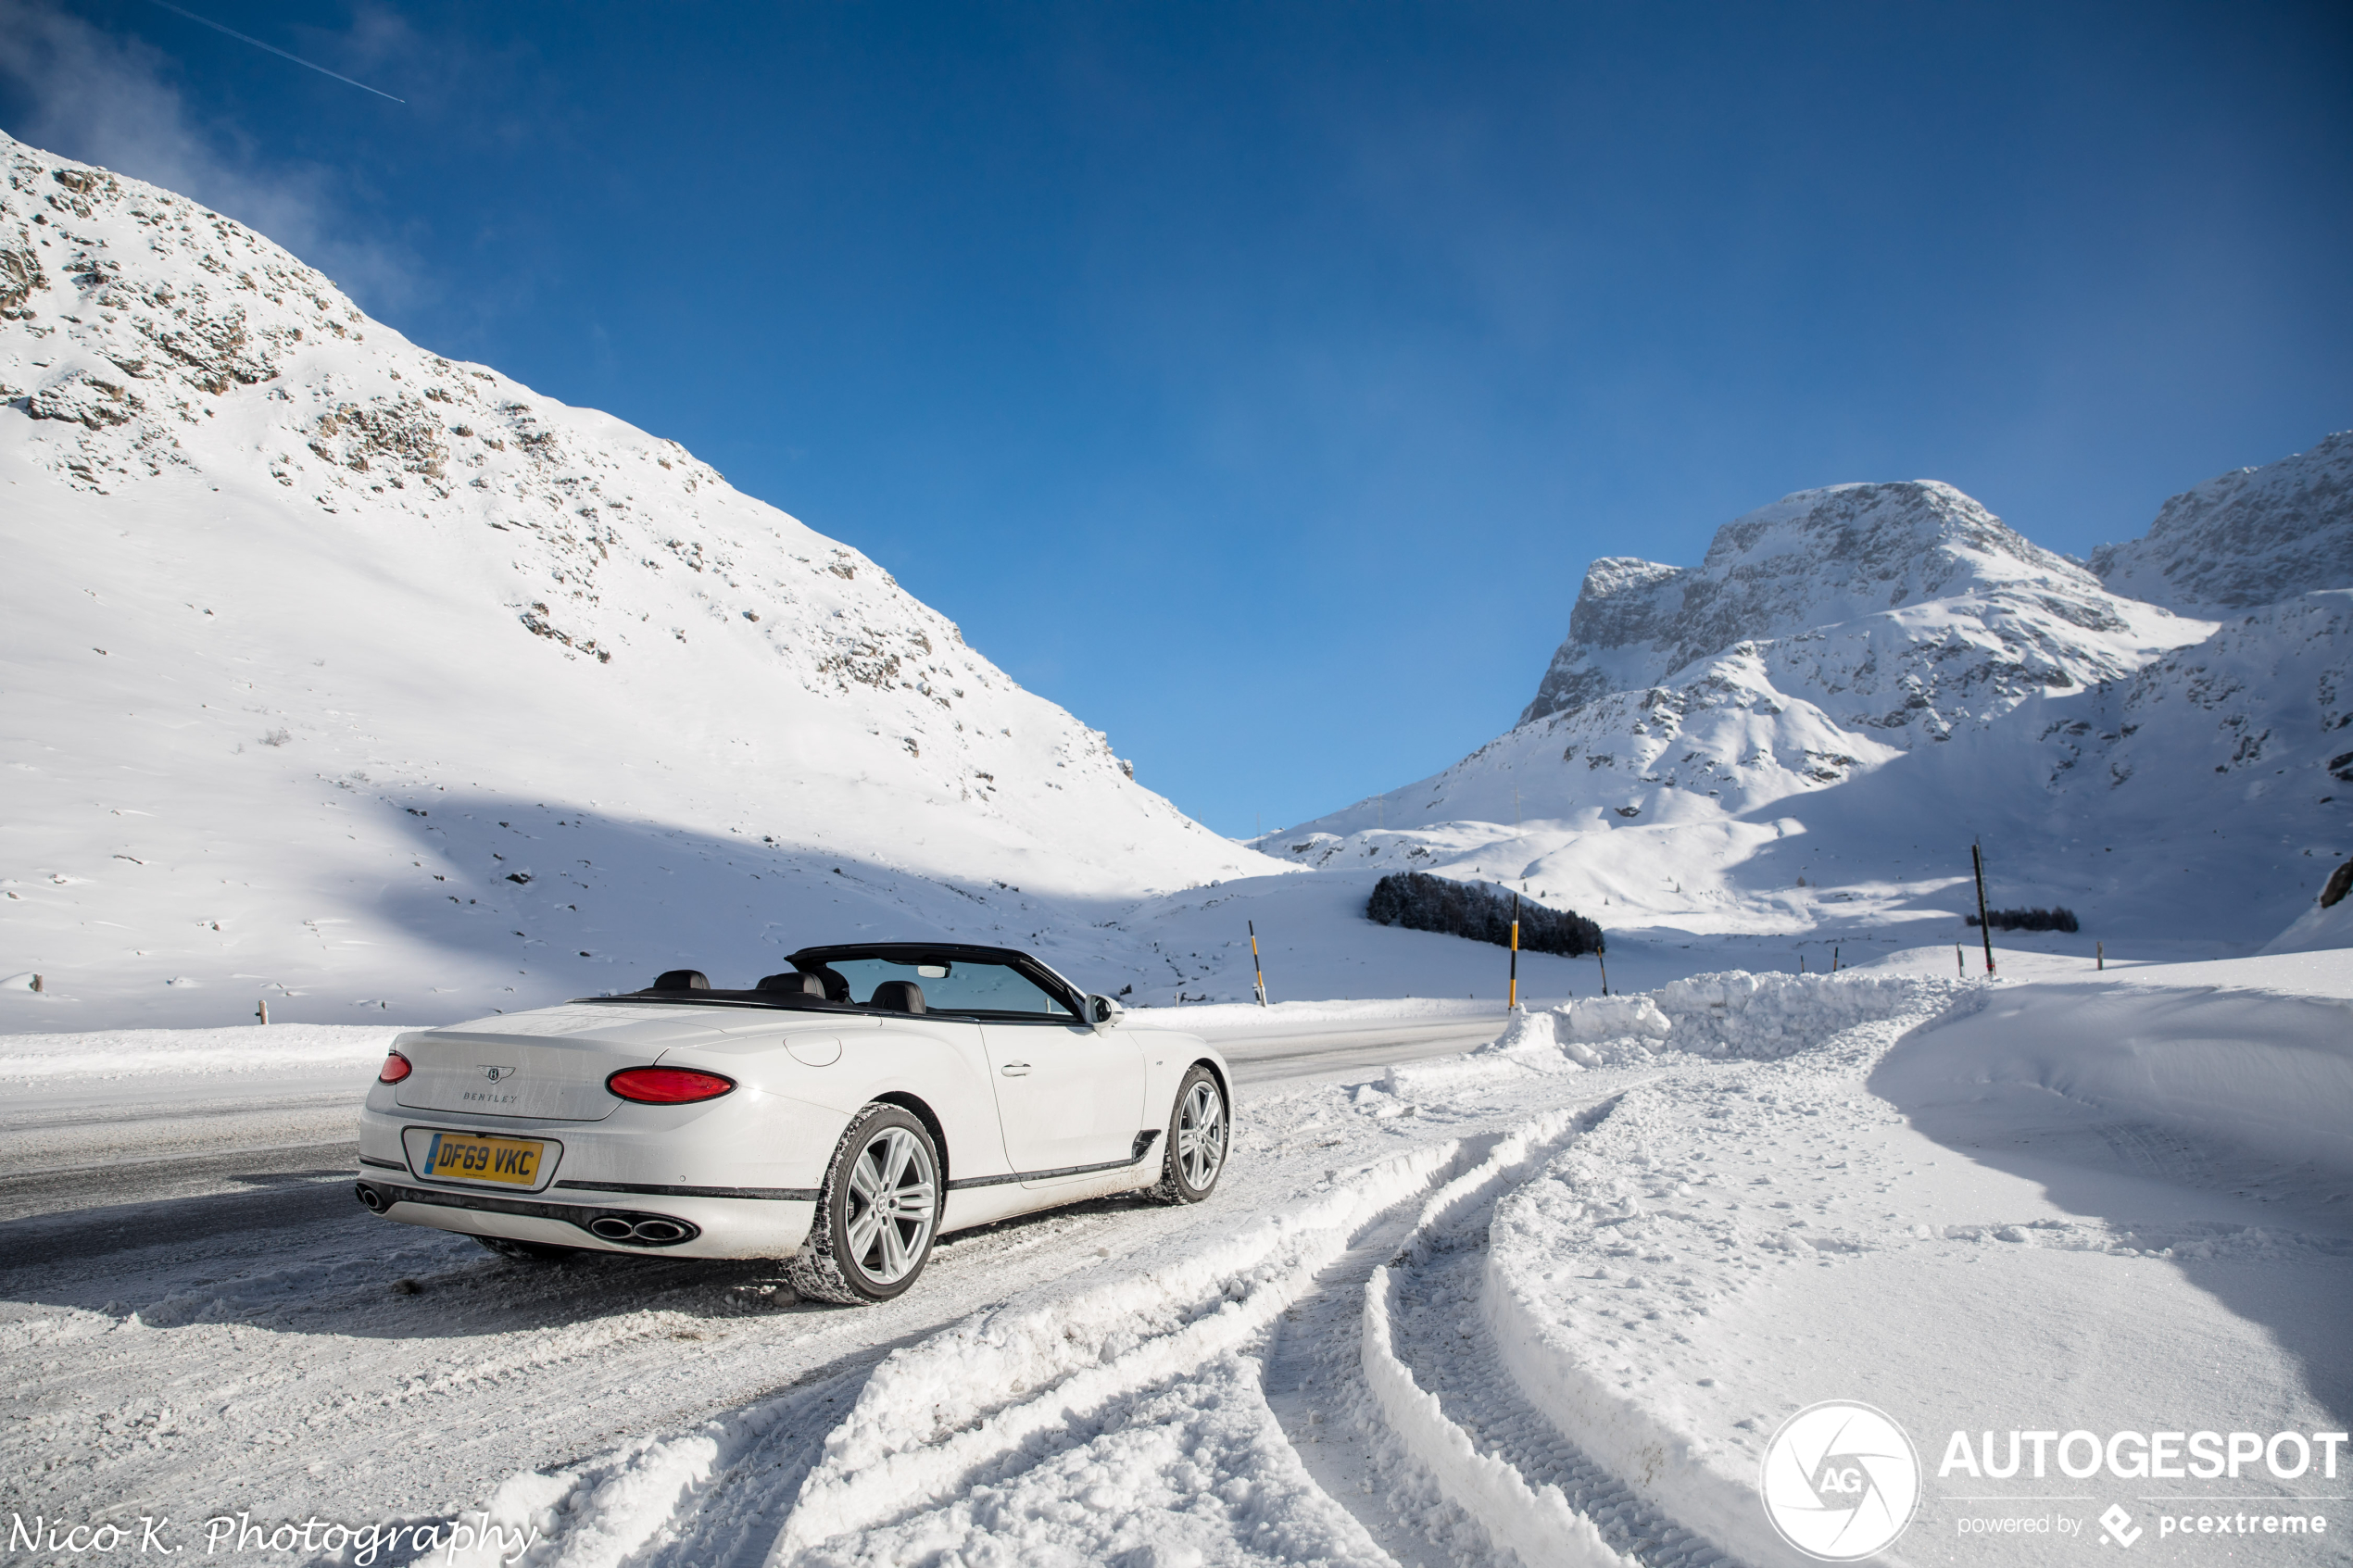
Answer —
1256 968
1511 1003
1984 926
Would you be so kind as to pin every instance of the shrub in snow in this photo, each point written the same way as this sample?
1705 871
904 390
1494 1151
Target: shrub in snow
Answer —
1419 901
2029 920
1765 1016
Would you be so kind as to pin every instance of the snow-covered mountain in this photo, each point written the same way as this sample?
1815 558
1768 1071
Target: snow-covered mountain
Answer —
1825 635
1805 731
1908 607
336 667
2251 537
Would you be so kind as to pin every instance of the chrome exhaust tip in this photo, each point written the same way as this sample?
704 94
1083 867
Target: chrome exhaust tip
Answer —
370 1199
640 1230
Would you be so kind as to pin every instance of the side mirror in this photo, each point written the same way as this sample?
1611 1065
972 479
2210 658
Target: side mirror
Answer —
1102 1012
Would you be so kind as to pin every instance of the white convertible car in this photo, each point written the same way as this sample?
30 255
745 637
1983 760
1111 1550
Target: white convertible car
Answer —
841 1116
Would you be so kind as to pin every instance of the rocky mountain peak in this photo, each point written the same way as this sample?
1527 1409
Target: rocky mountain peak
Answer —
1814 559
2253 536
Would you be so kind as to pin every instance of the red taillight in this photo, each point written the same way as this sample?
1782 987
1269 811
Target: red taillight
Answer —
667 1085
395 1068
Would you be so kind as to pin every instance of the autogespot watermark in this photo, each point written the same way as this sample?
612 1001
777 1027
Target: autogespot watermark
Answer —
1841 1481
2308 1458
232 1533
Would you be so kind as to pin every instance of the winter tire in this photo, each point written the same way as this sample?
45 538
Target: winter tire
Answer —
876 1214
526 1251
1199 1131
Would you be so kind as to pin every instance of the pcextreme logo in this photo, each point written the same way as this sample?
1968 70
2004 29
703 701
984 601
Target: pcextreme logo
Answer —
1841 1481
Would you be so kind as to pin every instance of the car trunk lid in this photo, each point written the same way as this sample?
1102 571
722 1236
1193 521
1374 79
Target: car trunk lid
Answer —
549 1065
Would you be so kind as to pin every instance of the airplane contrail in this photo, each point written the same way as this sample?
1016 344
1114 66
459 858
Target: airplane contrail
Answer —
257 43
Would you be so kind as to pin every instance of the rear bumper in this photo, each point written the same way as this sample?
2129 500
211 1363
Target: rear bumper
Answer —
645 1180
674 1226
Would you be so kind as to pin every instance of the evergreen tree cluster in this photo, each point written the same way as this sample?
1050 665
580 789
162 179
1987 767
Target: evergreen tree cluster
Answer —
1421 902
2029 920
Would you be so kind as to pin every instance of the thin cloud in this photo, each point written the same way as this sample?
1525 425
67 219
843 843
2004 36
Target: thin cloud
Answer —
85 93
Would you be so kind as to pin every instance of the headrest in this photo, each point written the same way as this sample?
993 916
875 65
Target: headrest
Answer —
682 980
794 983
900 996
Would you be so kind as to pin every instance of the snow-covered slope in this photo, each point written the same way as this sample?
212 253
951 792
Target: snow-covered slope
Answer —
2327 924
336 666
2250 537
1806 732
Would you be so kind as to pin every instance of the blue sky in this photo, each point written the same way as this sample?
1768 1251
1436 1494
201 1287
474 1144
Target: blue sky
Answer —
1257 381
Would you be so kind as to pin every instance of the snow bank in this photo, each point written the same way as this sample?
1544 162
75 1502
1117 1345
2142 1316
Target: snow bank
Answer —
104 1054
1760 1017
1631 1290
1530 1043
1764 1017
2250 1069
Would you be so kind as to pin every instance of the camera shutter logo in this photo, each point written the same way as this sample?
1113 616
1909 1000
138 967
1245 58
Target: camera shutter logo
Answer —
1841 1481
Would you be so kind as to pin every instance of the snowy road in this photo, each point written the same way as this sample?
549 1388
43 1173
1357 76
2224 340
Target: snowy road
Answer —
281 1355
1483 1309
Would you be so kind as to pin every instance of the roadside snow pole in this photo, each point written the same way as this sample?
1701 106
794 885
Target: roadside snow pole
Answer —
1834 959
1984 927
2099 950
1605 964
1511 1001
1959 962
1255 966
262 1009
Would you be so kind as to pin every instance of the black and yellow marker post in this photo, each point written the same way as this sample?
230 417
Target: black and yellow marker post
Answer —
1512 1004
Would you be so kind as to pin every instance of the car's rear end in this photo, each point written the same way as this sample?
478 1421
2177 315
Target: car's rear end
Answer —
563 1128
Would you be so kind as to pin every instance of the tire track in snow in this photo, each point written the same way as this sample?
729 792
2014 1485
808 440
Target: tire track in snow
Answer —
1435 1451
1534 1521
931 1421
1388 1386
1151 1363
1493 1453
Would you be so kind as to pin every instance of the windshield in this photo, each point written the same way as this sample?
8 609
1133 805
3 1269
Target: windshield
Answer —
960 985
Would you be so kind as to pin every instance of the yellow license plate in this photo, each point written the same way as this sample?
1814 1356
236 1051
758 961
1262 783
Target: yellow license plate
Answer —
461 1155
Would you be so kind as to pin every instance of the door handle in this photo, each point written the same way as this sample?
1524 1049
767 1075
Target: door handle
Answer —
1016 1068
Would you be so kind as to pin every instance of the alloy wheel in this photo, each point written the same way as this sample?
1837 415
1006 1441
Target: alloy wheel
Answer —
1201 1135
894 1202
